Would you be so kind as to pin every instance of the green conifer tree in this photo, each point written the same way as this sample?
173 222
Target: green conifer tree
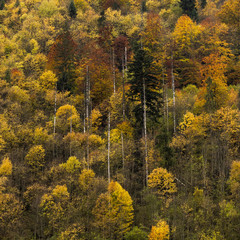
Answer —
72 10
2 3
142 69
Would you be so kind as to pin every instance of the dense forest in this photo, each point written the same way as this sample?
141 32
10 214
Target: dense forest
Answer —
120 119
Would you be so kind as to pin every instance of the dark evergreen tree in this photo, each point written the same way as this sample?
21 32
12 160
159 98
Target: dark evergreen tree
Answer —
102 19
203 3
143 71
189 8
2 3
72 10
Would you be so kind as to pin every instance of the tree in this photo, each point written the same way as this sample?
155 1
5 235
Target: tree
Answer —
2 3
67 118
136 234
86 179
230 13
10 211
187 38
35 157
54 208
210 104
114 212
5 167
160 231
163 181
142 72
72 165
72 10
234 180
214 83
48 81
189 8
62 59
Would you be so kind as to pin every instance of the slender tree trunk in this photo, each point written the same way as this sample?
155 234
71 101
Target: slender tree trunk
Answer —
71 132
123 108
165 102
114 72
164 98
204 166
84 114
54 121
55 111
144 114
145 130
141 40
174 100
87 113
109 128
167 110
125 58
123 89
123 153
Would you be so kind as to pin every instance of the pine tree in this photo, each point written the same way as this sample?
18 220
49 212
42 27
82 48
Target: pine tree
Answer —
142 70
72 10
2 4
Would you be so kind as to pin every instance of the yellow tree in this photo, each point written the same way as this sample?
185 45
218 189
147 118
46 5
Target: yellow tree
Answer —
67 118
114 212
162 181
234 180
35 157
160 231
10 206
6 167
54 209
154 38
214 93
230 14
72 165
48 81
187 40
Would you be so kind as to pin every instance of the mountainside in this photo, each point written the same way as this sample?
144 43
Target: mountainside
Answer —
120 119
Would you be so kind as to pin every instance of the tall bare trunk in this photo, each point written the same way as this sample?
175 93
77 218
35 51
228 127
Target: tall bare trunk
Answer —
145 130
114 72
125 58
54 121
123 108
174 100
164 97
109 127
123 89
71 132
84 105
87 112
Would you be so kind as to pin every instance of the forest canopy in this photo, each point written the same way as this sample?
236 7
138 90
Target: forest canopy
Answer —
120 119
